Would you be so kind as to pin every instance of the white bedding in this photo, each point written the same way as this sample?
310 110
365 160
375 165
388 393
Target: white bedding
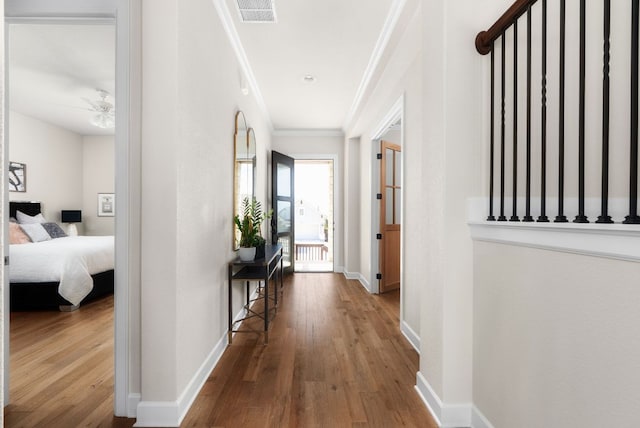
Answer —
70 261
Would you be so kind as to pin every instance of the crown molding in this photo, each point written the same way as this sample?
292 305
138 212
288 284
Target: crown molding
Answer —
308 133
376 56
243 60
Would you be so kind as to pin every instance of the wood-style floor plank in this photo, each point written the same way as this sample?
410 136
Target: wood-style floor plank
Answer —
61 366
335 358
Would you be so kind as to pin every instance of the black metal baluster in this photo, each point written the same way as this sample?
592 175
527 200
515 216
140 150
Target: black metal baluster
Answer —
527 217
493 78
633 217
502 132
543 185
561 218
581 218
514 215
604 216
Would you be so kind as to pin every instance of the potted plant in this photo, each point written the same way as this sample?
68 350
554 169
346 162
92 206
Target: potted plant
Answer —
249 226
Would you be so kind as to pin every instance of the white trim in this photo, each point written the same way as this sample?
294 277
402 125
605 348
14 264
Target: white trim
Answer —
445 415
429 398
381 44
357 276
395 112
308 133
478 420
60 9
243 61
132 404
171 413
363 281
411 335
352 275
127 141
158 414
616 241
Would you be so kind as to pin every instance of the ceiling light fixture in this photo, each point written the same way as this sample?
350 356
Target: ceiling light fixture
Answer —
106 117
309 78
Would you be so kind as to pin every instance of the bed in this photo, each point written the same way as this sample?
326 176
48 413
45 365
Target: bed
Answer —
60 273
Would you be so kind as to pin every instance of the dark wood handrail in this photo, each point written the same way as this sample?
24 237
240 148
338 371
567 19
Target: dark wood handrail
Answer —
485 39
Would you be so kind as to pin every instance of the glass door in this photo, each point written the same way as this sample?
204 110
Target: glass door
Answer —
282 198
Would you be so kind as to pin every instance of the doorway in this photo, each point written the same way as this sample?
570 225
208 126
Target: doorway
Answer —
124 14
60 123
386 210
314 217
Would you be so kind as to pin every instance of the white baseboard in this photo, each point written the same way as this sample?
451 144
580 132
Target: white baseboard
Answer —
478 420
358 277
411 336
158 414
132 405
351 275
445 415
171 413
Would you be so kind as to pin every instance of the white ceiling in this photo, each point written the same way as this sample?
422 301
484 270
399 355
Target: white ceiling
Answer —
333 40
52 67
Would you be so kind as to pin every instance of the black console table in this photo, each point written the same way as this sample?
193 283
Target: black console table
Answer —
262 269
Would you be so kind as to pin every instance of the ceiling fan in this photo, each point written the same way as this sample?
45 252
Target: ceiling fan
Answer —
105 109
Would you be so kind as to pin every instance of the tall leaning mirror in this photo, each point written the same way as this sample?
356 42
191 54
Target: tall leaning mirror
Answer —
244 168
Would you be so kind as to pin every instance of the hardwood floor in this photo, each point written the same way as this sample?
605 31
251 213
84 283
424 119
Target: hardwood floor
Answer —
335 358
62 368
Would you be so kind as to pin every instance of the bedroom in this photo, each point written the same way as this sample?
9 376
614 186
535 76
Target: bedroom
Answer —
60 81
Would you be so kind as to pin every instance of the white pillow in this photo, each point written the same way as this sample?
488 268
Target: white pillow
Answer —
36 232
27 219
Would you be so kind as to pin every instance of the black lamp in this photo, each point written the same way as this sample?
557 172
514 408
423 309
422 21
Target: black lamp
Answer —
71 217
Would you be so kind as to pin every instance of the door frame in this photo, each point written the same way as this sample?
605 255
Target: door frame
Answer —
395 112
337 205
336 177
123 14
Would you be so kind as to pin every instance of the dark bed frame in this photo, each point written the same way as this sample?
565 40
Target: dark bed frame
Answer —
44 295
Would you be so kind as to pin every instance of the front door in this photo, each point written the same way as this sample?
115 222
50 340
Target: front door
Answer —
390 210
283 202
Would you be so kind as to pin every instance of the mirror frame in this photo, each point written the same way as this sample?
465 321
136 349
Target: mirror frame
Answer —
245 144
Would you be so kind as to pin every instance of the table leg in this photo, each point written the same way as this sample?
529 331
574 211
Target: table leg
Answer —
266 305
230 279
247 294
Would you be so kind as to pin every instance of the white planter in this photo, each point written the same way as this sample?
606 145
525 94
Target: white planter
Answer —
247 254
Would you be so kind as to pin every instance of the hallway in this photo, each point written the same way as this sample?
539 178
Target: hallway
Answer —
335 358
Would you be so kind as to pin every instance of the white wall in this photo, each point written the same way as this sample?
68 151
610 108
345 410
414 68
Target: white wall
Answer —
54 164
191 93
352 208
555 341
309 146
98 153
64 170
401 76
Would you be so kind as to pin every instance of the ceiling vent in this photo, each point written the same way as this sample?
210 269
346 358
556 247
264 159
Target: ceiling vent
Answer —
257 11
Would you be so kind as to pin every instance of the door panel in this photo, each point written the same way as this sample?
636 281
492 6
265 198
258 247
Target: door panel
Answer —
390 215
282 200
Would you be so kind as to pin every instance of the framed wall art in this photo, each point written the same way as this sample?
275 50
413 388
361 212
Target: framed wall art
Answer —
17 177
106 205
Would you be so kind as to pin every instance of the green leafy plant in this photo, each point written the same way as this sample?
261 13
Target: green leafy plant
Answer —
249 225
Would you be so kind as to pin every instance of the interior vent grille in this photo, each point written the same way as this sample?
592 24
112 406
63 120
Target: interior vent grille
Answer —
257 11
